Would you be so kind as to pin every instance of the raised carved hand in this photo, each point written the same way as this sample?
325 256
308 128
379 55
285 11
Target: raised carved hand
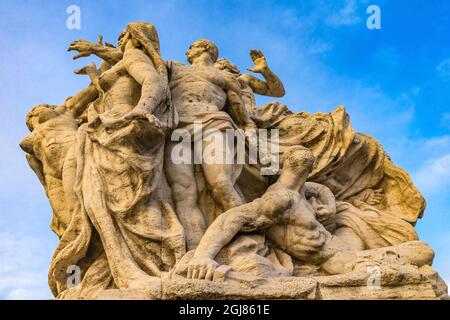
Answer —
259 61
84 47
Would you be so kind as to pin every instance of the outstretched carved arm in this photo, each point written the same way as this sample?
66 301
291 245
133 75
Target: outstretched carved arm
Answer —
93 73
106 52
79 102
218 235
272 87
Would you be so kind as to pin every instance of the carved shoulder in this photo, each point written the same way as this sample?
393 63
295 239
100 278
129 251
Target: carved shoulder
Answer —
232 83
276 202
135 55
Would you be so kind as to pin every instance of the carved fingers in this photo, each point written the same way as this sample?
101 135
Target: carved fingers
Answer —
256 54
85 48
201 268
259 61
137 113
323 212
87 69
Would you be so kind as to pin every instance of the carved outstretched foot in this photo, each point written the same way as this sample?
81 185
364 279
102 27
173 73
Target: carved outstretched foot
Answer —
387 259
347 261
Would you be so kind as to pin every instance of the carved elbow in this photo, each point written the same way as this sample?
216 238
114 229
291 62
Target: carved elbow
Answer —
280 93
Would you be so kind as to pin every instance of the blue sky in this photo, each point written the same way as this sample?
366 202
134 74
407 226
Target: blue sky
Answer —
394 83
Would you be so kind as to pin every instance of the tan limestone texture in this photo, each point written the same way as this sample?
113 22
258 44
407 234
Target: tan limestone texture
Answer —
335 219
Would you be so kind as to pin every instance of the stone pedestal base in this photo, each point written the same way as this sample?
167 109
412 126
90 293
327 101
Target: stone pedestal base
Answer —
415 284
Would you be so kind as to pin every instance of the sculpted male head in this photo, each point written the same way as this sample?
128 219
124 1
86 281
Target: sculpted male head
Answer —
226 65
200 48
297 162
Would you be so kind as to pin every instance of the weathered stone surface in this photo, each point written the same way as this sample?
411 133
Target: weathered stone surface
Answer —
352 286
279 288
152 199
420 291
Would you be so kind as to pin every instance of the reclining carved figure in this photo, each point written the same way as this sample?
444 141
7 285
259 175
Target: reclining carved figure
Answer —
289 222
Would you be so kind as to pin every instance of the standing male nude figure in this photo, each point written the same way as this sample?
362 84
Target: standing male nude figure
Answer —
199 94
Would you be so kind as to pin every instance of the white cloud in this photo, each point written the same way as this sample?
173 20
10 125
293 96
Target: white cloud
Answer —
319 47
25 294
434 175
442 261
23 275
444 68
439 143
446 275
345 16
445 119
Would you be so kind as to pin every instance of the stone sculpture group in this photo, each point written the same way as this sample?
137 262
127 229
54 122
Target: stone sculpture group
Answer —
335 222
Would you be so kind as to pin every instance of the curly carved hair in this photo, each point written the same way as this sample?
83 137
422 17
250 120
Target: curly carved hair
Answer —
298 159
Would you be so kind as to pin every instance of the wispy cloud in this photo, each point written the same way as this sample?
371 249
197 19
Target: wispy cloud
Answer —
347 15
442 261
386 56
444 68
438 143
22 276
434 176
445 119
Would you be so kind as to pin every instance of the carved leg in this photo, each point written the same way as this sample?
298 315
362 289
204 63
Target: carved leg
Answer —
184 190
